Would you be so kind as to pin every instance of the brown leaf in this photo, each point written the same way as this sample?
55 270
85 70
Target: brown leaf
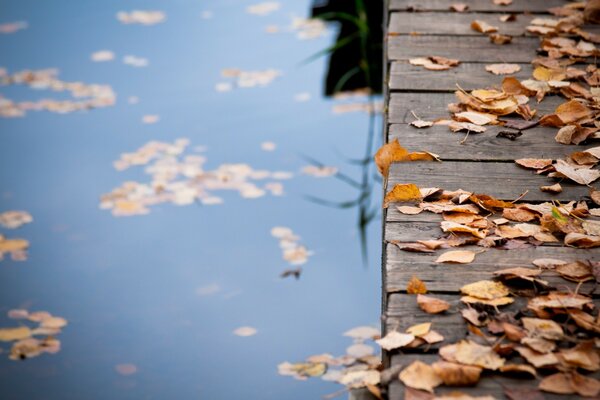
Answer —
12 334
453 374
570 383
419 375
521 370
536 359
497 38
577 271
457 256
459 7
582 241
534 163
584 355
554 189
394 340
518 214
503 69
483 27
543 328
471 353
580 175
416 286
431 305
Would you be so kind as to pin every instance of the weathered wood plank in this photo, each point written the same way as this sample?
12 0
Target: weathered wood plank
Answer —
483 177
432 23
401 266
404 76
491 385
534 143
430 106
537 6
393 215
464 48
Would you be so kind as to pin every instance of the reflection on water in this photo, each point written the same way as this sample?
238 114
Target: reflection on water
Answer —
182 297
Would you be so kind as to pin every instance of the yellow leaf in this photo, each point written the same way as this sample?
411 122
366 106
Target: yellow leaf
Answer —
457 256
416 286
10 334
402 192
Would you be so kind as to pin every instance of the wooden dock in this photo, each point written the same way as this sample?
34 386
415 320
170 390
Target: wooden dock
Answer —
483 163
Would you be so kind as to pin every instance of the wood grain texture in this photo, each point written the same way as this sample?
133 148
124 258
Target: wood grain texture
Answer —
534 143
433 23
430 106
402 266
502 180
537 6
464 48
469 76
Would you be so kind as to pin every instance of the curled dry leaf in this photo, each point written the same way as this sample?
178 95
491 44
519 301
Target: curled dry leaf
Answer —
554 189
582 176
419 375
570 383
543 328
457 256
387 154
503 69
453 374
419 123
459 7
471 353
498 38
534 163
483 27
521 370
394 340
416 286
402 192
431 305
582 241
537 359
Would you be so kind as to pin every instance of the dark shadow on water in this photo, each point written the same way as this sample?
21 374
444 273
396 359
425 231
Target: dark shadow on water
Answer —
355 63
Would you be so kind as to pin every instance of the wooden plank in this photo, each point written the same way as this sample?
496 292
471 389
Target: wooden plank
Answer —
433 23
464 48
430 106
537 6
393 215
483 177
534 143
407 77
490 384
401 266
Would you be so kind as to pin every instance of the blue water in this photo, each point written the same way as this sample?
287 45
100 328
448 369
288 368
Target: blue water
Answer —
128 285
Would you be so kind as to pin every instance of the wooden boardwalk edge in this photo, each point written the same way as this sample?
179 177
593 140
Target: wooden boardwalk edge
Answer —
483 163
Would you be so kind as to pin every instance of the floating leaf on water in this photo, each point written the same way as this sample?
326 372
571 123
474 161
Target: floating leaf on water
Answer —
12 334
245 331
141 17
126 369
363 333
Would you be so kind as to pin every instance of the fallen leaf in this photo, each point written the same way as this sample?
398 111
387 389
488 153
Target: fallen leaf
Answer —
543 328
534 163
394 340
453 374
536 359
554 189
419 123
503 69
485 290
519 370
363 333
582 241
497 38
457 256
416 286
432 305
358 379
483 27
387 154
409 210
419 329
581 175
570 383
419 375
459 7
471 353
402 192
